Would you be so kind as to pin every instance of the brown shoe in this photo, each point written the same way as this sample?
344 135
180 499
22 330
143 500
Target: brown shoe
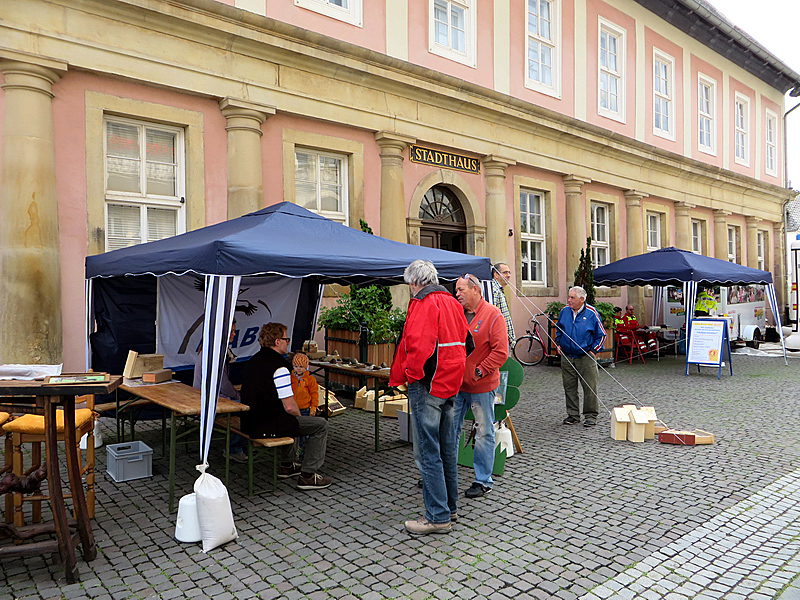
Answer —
315 482
285 471
424 527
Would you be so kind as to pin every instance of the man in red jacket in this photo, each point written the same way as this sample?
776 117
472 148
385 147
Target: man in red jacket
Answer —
487 328
430 357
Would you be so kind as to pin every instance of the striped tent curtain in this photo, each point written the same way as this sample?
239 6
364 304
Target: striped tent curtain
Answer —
220 303
773 305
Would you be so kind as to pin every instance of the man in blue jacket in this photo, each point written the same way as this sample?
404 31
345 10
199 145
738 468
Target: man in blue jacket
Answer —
579 336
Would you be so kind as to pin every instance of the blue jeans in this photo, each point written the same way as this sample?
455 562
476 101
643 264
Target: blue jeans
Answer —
482 405
237 444
435 451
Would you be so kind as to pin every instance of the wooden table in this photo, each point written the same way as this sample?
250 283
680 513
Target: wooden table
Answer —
181 400
379 376
17 398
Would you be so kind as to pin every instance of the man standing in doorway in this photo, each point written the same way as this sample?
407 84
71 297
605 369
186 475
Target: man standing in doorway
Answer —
430 357
487 328
579 336
501 276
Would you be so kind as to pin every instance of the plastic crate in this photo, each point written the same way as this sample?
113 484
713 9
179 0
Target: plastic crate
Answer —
129 461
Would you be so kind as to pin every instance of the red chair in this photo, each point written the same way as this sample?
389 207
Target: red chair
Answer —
628 344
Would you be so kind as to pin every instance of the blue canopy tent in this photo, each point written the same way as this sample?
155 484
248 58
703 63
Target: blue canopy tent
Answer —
283 240
671 266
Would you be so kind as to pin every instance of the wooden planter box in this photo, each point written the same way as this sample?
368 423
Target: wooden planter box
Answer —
346 344
605 356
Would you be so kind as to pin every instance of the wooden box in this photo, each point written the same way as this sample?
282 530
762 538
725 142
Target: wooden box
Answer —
362 397
391 407
139 364
637 425
620 418
649 428
686 438
157 376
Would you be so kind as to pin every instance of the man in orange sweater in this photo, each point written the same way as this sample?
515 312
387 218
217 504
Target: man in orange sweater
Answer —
489 337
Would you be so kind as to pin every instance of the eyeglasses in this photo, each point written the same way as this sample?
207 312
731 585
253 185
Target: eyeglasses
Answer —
471 278
284 338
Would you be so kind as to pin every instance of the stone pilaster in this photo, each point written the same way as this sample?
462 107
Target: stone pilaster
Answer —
752 242
683 226
721 234
393 197
245 167
576 220
635 237
30 275
494 171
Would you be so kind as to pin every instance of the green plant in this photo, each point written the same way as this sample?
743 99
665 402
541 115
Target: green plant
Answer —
584 276
366 304
606 310
553 308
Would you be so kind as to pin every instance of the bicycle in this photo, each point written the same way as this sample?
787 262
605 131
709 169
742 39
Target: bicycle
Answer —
529 349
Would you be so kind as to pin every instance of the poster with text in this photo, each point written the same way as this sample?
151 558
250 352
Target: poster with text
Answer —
705 342
180 314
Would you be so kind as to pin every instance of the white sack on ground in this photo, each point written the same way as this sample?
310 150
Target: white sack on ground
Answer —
213 511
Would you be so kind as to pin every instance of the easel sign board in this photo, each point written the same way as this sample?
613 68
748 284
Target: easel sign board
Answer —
705 342
708 338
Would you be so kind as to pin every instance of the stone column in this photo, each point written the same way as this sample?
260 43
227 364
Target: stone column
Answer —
721 234
635 236
576 221
393 195
245 167
776 257
752 242
30 275
683 226
494 172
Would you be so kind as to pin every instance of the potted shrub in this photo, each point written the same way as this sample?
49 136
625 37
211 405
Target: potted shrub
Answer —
372 307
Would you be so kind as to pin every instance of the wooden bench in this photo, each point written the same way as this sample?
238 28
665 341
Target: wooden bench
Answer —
256 446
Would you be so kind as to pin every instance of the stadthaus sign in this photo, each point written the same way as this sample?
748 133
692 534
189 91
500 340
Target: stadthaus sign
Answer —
447 160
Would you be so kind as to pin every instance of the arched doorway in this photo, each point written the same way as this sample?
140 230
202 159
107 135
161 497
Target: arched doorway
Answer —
442 220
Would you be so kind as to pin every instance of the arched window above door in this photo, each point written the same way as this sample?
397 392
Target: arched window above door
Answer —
441 205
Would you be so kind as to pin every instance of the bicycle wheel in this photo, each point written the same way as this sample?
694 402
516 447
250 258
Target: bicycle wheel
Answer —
529 350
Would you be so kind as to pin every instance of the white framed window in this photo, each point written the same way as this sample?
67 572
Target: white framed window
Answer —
452 31
543 46
663 95
771 141
601 243
761 250
741 130
349 11
611 77
533 250
697 236
706 111
653 220
321 183
145 181
732 243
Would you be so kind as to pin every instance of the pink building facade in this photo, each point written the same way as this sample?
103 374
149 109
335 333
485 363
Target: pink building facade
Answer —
506 129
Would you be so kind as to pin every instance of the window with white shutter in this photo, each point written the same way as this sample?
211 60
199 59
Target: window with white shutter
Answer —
144 182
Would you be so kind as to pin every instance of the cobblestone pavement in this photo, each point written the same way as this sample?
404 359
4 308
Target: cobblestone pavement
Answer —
578 515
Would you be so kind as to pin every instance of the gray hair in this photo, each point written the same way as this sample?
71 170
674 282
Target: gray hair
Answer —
421 273
496 266
579 291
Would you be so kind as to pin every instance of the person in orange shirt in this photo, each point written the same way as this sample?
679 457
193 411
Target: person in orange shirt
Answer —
306 393
304 387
